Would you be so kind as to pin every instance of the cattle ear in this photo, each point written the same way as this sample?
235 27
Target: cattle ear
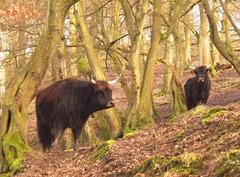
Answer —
193 71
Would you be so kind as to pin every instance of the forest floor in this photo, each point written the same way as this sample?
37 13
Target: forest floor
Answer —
202 142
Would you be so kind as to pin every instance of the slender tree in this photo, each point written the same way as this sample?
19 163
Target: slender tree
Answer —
204 41
215 54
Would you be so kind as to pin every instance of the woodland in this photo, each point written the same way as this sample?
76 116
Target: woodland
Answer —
151 45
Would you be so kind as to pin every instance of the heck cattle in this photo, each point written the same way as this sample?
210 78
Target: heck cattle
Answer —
197 88
67 104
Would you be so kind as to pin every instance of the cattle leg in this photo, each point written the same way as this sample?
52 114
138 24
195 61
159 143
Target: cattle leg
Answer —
204 97
76 132
57 132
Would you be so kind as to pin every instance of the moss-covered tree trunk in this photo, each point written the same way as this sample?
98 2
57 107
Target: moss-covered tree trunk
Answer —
215 54
226 51
180 61
226 26
145 110
187 42
21 90
177 96
169 59
135 27
111 115
204 41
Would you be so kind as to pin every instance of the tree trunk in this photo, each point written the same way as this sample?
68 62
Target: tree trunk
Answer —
226 26
20 92
167 70
180 61
204 42
215 54
133 122
187 33
177 96
145 110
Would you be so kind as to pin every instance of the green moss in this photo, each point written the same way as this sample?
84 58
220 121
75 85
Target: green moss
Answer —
142 124
212 114
199 110
130 134
6 174
105 129
102 150
178 136
228 164
14 149
160 93
184 165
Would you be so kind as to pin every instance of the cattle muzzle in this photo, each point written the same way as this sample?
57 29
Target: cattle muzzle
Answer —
110 104
200 80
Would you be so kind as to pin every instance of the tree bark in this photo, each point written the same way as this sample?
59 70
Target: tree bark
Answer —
187 33
167 70
136 40
145 107
20 92
204 42
215 54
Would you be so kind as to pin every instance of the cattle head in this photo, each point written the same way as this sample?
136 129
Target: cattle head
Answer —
102 98
201 73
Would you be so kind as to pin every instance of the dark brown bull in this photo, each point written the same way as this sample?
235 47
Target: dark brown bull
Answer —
67 104
197 88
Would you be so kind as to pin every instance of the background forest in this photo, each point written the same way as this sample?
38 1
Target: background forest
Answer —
150 44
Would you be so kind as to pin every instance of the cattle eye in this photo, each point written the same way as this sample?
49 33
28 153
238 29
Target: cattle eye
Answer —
100 92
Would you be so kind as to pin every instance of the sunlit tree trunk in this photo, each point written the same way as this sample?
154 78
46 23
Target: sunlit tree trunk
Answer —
94 63
215 54
180 61
177 96
58 63
187 42
169 57
2 4
135 30
145 107
21 90
204 41
21 59
226 27
71 67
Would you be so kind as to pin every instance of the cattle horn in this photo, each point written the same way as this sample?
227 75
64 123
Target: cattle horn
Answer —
209 66
115 80
93 81
191 67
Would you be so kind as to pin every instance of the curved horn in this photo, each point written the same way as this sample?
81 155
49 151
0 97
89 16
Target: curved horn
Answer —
191 67
209 66
93 81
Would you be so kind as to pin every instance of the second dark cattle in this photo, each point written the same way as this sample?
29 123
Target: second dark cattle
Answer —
197 88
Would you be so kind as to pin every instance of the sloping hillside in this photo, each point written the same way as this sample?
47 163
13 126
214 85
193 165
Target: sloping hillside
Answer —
203 142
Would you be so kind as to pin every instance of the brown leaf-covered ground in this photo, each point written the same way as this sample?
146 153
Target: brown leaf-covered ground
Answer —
169 138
